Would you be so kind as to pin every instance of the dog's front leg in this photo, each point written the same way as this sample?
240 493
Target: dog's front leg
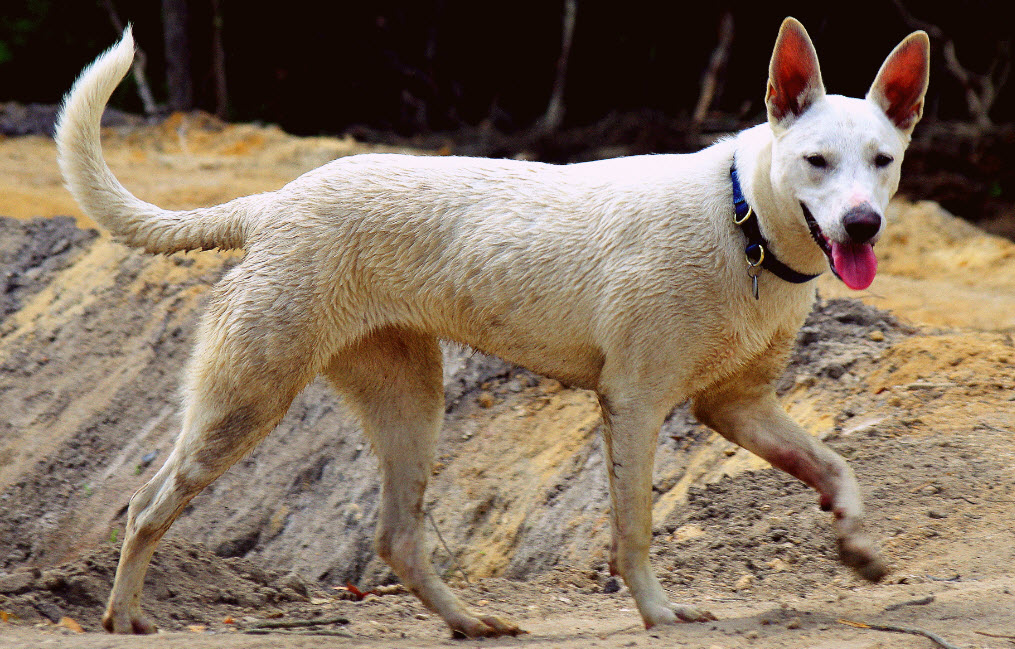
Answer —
630 432
753 418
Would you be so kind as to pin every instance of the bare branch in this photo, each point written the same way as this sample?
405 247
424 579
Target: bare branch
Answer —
980 89
218 57
554 115
143 90
716 64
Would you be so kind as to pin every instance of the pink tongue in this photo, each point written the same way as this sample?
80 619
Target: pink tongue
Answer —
855 264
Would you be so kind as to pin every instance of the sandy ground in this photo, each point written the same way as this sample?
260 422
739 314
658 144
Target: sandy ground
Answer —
911 380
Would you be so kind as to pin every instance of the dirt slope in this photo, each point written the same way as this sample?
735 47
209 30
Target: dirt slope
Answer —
913 383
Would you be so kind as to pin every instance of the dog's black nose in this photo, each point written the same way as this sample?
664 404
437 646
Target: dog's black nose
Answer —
861 223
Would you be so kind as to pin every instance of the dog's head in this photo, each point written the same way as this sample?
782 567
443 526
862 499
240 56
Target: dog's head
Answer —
836 157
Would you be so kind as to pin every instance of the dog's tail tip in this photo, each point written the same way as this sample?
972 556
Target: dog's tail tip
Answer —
101 196
87 98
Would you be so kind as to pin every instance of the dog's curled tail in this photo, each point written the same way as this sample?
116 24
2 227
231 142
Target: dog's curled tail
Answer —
101 195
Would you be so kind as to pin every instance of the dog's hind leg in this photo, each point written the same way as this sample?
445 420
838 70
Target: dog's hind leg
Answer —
631 428
240 383
393 379
750 415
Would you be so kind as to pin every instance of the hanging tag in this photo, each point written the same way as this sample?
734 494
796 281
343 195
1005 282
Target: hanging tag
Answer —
755 254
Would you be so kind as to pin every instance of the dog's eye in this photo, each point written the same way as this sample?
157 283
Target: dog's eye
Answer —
882 160
816 160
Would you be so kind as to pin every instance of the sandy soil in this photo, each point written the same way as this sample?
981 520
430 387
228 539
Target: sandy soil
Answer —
911 380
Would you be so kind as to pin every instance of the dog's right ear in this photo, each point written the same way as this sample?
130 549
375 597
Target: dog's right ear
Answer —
794 79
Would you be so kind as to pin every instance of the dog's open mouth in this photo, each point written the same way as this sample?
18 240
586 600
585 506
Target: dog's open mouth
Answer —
853 263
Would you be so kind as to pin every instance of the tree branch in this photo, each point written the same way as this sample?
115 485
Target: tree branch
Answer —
980 89
554 115
716 65
143 90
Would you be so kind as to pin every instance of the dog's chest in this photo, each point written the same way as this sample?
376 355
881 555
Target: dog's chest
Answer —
748 333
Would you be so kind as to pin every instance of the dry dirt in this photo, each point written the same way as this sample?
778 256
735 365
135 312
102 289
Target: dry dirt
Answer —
911 380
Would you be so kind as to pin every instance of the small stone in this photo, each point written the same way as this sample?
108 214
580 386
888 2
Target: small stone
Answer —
778 565
486 399
70 623
611 586
877 335
744 582
287 594
794 623
51 611
687 532
292 580
18 581
53 579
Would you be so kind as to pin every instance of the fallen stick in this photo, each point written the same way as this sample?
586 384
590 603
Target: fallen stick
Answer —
901 629
913 602
268 625
324 632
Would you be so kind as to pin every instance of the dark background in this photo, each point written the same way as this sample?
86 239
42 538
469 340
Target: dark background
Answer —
479 75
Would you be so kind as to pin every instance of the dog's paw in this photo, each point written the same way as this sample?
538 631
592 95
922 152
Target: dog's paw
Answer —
487 626
135 624
501 627
693 614
863 558
675 614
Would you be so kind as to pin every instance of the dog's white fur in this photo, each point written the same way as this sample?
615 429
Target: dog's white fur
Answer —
623 276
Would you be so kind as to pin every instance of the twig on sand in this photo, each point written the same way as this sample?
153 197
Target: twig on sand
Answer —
913 602
901 629
995 635
325 632
440 538
287 626
623 629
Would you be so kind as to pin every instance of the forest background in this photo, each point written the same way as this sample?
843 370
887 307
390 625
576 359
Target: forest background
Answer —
553 80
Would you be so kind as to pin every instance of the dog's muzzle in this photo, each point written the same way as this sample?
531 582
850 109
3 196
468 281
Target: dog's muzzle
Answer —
852 260
862 223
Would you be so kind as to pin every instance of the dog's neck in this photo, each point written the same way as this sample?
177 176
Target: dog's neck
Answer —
758 252
780 218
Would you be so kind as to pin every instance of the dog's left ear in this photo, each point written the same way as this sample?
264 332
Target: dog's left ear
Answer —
902 82
794 79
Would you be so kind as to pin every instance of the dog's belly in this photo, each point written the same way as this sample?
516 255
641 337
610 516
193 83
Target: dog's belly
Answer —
576 364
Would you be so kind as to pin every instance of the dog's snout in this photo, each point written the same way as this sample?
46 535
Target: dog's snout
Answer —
861 223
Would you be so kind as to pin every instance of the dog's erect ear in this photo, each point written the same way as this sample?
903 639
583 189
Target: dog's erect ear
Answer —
902 81
794 79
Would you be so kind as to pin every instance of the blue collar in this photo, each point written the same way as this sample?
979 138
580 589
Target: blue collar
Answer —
757 251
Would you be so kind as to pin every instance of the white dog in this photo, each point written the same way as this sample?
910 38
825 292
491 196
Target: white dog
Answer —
650 280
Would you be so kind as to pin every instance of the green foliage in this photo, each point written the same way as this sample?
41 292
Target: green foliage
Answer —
18 23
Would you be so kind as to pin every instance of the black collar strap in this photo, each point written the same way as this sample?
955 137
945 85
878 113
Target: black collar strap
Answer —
757 251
